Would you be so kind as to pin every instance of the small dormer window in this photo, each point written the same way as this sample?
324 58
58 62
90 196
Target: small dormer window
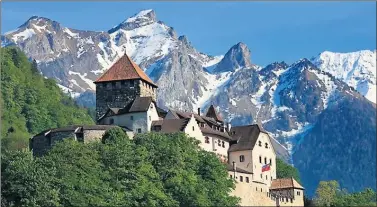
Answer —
266 145
260 143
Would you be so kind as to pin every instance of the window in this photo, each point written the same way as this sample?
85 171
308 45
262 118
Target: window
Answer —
270 162
150 118
113 84
157 128
271 177
261 190
261 176
193 128
132 117
242 158
291 200
286 199
223 144
260 159
266 177
265 160
111 121
132 83
266 145
231 176
298 193
219 143
138 130
260 143
247 179
206 140
241 179
256 189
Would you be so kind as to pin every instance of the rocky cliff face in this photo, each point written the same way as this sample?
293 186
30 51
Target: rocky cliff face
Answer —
290 101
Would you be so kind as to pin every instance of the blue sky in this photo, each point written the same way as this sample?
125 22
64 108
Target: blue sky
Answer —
273 31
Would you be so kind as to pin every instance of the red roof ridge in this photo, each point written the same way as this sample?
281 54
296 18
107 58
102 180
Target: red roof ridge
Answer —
124 69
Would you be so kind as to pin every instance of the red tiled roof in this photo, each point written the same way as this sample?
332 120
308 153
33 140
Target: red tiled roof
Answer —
124 69
285 183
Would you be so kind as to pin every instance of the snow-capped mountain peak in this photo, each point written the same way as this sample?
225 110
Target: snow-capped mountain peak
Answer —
238 56
143 18
144 15
357 69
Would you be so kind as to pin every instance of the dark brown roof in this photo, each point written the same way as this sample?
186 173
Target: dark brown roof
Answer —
283 183
207 130
212 113
161 112
124 69
246 137
229 167
139 104
171 125
187 115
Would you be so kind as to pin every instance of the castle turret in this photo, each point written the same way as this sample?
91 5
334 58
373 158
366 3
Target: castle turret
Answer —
121 84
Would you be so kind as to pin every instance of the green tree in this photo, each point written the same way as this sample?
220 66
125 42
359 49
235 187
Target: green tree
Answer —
283 170
24 182
79 178
326 193
184 170
153 169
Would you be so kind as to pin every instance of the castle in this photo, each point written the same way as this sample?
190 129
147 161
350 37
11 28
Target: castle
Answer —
126 97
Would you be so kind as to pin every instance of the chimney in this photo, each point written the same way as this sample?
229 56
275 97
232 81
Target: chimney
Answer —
234 169
199 111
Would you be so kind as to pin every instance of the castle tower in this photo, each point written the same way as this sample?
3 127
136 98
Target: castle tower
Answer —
120 84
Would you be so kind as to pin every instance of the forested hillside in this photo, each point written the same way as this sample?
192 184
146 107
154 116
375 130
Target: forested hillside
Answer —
31 103
153 169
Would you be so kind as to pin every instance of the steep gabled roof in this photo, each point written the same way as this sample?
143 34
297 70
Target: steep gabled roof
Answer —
139 104
124 69
171 125
212 113
283 183
246 137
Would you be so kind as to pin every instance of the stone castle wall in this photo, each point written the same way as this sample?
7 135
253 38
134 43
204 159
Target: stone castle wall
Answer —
117 94
147 90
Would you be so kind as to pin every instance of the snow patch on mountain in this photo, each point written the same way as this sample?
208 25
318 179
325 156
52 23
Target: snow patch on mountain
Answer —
26 34
357 69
